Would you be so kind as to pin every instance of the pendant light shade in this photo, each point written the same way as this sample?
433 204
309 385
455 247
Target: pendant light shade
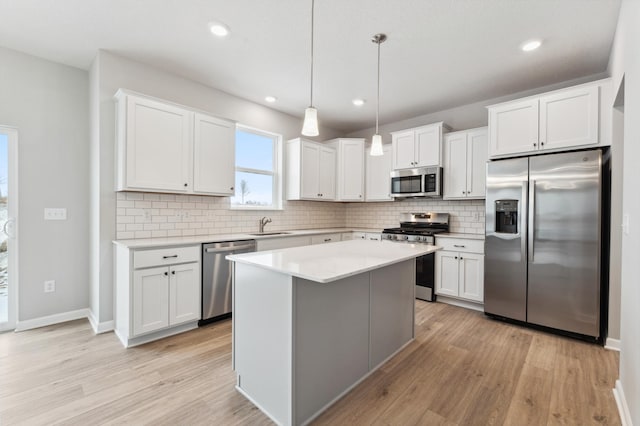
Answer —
376 145
376 140
310 124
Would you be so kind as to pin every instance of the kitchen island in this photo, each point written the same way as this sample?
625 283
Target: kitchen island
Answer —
310 323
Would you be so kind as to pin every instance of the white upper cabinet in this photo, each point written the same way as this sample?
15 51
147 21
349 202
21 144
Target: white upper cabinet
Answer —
567 118
156 143
378 187
213 144
350 168
514 127
418 147
311 171
465 157
163 147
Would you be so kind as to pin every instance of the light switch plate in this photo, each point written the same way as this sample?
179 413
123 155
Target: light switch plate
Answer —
55 213
49 286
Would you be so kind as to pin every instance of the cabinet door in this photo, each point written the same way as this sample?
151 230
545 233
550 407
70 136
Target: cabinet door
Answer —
214 155
569 118
446 273
455 166
184 293
428 140
352 173
150 300
378 176
158 146
310 171
513 128
472 276
477 155
327 176
403 150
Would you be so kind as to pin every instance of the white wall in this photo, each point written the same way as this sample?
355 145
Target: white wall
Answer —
48 104
114 72
624 62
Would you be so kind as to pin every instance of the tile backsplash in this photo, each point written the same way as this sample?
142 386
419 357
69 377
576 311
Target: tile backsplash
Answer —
147 215
464 216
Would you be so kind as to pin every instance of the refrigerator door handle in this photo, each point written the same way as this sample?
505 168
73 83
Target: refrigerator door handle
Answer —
523 220
532 223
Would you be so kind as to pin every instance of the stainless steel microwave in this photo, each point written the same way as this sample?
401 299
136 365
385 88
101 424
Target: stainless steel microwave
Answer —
419 182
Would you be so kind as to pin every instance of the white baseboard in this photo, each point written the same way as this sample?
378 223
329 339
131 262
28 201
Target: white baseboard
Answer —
612 344
52 319
130 342
621 402
99 327
461 303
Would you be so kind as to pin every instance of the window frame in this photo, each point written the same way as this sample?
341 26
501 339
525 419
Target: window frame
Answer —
277 181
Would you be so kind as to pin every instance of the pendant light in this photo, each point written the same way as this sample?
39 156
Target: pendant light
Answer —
376 140
310 125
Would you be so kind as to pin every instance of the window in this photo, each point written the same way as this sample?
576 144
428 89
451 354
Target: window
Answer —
258 160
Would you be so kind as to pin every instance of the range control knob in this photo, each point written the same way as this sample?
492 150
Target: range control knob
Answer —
418 239
406 238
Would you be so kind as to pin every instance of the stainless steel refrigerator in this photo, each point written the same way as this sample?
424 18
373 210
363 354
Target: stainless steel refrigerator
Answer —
544 241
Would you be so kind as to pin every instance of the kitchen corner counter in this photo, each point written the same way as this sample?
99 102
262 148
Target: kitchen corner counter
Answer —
214 238
460 236
324 263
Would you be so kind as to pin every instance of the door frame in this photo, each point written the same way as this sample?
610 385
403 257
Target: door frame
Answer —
12 243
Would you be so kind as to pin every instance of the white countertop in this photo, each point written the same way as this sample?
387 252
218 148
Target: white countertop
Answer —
325 263
199 239
459 235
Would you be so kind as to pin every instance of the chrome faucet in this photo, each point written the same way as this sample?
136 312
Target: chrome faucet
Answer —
263 222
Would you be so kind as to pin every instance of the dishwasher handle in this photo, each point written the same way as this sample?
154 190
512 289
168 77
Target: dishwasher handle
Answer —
228 249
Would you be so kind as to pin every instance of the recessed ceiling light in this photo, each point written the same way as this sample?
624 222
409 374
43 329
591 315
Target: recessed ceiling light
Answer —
270 99
358 102
531 45
219 29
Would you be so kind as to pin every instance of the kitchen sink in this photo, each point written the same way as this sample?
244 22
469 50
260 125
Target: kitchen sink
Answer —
270 233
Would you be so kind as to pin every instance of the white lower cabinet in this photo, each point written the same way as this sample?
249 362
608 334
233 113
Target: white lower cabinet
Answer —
157 292
325 238
459 270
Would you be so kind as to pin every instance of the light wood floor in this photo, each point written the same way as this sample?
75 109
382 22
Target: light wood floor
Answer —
462 369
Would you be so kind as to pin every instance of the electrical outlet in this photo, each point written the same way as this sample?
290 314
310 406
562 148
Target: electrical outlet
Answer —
146 213
476 217
55 213
49 286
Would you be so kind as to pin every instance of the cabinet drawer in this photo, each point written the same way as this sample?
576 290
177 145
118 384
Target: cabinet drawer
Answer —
325 238
373 237
165 256
461 245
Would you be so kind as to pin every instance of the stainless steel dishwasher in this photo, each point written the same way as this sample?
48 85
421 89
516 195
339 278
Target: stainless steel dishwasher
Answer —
216 277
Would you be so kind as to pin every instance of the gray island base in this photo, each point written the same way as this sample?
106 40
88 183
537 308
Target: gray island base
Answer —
312 322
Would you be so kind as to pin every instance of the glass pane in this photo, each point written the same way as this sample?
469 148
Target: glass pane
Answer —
4 174
254 151
253 190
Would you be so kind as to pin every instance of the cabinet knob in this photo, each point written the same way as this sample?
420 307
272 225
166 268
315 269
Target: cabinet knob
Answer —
455 257
360 195
186 184
173 272
231 188
535 144
541 143
166 273
460 257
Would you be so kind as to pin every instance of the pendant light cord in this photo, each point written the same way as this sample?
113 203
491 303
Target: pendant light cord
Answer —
312 19
378 100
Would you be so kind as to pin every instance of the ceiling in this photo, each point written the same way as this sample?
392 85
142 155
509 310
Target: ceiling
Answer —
439 54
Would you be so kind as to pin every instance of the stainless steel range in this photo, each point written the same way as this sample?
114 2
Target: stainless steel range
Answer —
420 228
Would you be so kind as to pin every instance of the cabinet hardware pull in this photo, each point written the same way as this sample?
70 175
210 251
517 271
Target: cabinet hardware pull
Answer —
534 144
457 245
541 143
326 240
169 257
186 184
456 257
460 257
173 272
166 273
231 188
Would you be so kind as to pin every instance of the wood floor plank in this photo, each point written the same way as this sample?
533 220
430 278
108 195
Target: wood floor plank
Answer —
462 368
